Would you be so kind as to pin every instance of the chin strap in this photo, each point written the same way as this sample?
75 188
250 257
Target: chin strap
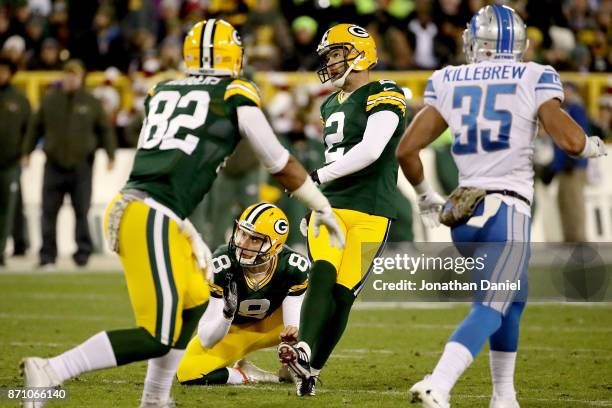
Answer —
339 83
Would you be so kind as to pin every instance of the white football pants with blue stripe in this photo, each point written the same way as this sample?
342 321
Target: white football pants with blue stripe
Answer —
501 236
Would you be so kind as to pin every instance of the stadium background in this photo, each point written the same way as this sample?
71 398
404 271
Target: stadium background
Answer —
129 45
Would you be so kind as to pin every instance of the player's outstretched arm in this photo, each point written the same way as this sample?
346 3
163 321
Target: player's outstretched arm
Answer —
213 325
287 170
426 126
567 134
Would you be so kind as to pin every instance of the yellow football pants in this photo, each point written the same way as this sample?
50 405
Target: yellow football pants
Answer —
239 341
162 276
365 237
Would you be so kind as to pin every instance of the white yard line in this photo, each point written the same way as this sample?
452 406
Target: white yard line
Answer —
24 316
348 392
428 326
423 326
58 296
366 305
36 344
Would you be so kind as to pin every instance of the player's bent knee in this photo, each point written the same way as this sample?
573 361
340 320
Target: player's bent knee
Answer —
135 345
322 267
186 373
189 372
323 275
191 317
485 315
155 347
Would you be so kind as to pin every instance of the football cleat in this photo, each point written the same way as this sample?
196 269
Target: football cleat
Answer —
305 387
37 372
169 403
498 402
425 393
296 358
253 374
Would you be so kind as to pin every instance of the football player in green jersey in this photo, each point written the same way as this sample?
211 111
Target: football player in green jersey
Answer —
256 296
363 122
191 125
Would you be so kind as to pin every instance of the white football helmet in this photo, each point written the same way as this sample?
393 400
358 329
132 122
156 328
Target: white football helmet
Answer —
495 33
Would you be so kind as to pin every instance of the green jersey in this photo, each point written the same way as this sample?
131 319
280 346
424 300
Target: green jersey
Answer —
190 128
372 189
287 277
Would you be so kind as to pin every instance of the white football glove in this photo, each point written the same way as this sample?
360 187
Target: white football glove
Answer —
304 227
594 147
201 252
326 217
430 205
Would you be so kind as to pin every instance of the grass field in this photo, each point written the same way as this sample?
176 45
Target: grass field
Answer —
565 358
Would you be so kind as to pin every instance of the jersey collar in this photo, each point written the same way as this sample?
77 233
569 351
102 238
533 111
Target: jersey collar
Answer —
343 96
256 286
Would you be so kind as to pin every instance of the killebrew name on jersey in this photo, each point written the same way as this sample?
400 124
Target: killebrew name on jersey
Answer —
478 73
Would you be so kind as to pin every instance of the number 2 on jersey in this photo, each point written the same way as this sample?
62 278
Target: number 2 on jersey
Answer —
161 127
466 142
333 138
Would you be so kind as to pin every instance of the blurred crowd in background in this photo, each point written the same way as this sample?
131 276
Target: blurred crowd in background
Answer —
135 35
143 40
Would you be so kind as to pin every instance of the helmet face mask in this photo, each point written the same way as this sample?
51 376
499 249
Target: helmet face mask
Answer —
495 33
326 70
359 51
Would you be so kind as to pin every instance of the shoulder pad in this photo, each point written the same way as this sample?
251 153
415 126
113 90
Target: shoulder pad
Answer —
244 88
386 92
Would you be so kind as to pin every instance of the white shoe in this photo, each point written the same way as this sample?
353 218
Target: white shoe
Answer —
255 374
169 403
429 396
285 375
37 372
497 402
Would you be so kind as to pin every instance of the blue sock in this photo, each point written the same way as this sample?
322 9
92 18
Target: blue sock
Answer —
506 337
481 323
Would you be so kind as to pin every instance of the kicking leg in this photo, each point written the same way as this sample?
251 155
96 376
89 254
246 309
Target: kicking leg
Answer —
319 303
334 330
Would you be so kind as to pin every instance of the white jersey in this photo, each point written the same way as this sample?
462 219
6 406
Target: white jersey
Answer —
491 109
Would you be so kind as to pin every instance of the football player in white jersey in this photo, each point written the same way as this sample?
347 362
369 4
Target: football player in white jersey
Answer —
493 106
